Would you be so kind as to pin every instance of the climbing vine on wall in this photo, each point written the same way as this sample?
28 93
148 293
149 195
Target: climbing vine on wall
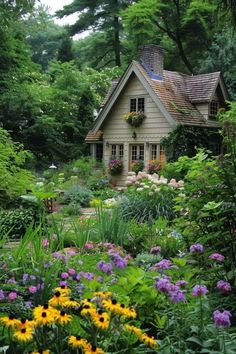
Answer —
184 140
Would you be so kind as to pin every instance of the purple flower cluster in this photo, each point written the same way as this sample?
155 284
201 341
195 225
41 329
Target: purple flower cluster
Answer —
105 267
163 264
222 319
155 250
196 248
118 261
217 257
165 286
223 286
199 290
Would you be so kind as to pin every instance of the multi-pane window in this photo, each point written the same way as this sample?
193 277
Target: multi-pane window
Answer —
214 105
99 152
154 152
117 151
137 153
137 104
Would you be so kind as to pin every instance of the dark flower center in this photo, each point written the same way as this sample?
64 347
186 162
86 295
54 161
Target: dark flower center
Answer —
100 312
23 330
94 348
58 294
11 317
23 320
63 287
62 313
114 302
78 337
45 306
122 305
44 314
101 319
86 307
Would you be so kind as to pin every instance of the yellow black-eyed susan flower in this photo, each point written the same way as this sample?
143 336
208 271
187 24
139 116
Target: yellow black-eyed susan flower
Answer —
64 290
111 305
71 303
134 330
9 321
44 315
46 351
24 323
93 350
78 342
128 312
62 317
87 308
150 341
103 294
101 319
24 334
58 299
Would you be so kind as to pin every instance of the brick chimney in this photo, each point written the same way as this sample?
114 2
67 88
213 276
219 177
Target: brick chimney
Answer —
152 59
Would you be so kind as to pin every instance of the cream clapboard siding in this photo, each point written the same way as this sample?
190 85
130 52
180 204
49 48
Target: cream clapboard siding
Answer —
117 131
203 109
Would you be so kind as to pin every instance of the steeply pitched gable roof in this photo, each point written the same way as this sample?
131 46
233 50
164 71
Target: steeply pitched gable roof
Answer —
175 95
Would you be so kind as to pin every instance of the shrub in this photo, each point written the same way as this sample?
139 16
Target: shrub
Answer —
72 209
15 222
153 167
78 194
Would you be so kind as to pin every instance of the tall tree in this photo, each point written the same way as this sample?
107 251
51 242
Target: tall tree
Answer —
99 15
187 23
65 51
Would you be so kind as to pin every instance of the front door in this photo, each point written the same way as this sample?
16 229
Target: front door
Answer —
136 153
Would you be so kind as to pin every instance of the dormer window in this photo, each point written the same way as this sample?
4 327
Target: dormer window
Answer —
213 109
137 104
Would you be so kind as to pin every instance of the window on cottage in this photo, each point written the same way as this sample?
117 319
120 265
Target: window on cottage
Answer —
137 104
154 152
214 106
117 151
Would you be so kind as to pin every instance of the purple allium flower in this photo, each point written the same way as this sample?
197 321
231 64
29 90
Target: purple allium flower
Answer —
99 279
12 295
199 290
222 319
11 281
64 275
118 261
2 296
163 285
32 289
155 250
196 248
77 277
4 265
63 283
45 243
25 277
217 257
181 283
163 264
105 267
177 296
223 286
87 275
71 271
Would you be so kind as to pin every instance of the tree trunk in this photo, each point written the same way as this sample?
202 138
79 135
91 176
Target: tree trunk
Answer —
116 40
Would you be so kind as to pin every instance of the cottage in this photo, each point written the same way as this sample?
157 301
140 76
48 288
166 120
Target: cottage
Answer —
146 104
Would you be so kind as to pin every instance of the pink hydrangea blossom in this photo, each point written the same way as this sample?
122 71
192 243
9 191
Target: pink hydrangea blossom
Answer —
12 295
196 248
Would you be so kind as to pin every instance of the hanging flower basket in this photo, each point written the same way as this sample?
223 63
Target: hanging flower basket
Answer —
115 167
135 119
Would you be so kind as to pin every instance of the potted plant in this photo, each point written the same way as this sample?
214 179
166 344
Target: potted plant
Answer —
135 119
137 166
115 166
153 167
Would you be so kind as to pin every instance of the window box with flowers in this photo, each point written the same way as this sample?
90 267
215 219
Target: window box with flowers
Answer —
137 166
135 119
153 167
115 167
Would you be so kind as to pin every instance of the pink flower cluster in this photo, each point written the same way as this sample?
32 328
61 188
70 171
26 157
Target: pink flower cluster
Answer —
196 248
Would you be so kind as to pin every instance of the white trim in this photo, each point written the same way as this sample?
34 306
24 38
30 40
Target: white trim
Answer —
220 82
